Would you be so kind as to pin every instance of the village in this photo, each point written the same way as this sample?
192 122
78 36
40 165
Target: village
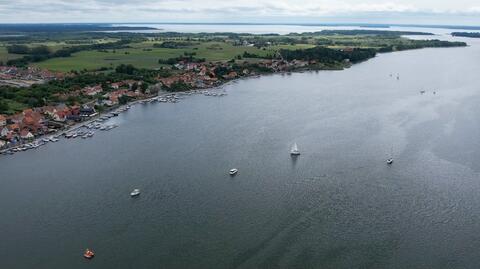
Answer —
26 77
25 127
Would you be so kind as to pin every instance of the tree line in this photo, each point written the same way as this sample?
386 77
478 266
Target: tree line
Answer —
42 53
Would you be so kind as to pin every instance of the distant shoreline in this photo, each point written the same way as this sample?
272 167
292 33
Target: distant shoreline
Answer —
12 29
369 25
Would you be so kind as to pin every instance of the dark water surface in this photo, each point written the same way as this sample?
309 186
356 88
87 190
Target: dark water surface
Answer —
337 206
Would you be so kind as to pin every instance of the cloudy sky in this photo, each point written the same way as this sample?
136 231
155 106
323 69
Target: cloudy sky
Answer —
291 11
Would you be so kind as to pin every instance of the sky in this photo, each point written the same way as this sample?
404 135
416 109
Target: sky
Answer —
458 12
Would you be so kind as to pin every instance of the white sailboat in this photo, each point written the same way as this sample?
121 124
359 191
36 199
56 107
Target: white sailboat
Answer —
294 151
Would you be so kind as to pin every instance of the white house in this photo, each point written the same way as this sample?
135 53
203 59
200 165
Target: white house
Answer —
4 132
26 135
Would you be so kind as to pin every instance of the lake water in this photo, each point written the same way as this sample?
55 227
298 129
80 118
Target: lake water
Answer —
338 205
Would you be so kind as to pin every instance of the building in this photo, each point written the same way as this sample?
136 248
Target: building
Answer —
3 121
92 91
87 112
4 132
25 134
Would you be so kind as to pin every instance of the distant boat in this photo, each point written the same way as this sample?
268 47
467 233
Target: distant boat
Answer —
88 254
294 151
233 171
390 160
135 192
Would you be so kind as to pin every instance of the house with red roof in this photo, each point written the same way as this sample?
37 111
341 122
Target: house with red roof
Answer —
113 96
33 121
3 121
231 75
92 91
60 116
15 127
26 134
17 118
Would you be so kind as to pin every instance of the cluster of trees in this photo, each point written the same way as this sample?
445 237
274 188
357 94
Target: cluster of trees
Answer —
361 32
419 44
48 93
22 49
327 55
186 58
464 34
179 86
253 55
4 107
42 53
174 44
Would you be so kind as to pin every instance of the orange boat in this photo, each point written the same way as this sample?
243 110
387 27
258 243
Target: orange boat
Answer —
88 254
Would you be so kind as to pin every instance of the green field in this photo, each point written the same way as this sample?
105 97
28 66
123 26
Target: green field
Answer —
141 52
143 55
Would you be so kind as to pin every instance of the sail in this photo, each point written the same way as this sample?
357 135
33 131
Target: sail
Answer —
294 149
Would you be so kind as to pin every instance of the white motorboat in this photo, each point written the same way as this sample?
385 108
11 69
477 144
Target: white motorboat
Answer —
390 159
233 171
135 192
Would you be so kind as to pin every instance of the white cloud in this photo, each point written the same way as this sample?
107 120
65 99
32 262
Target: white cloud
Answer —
217 10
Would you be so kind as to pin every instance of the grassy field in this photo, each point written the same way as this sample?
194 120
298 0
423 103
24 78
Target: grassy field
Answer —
143 55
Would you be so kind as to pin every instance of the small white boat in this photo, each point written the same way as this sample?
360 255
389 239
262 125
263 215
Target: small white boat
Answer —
135 192
233 171
294 151
390 159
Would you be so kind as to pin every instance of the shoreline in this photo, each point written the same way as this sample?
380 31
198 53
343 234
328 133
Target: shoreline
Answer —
163 94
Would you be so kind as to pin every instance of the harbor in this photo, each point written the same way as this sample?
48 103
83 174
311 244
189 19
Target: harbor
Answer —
87 129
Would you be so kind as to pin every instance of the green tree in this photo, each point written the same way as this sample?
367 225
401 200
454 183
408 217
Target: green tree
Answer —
125 69
18 49
3 107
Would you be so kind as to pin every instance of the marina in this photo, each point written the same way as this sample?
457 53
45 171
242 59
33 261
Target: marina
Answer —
99 123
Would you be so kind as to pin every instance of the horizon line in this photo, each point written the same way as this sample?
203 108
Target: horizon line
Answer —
253 23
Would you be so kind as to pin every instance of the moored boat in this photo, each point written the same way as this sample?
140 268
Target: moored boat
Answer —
88 254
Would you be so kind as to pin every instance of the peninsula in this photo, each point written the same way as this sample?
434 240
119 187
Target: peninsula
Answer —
53 78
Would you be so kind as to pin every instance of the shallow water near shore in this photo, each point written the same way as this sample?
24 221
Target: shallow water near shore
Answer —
338 205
